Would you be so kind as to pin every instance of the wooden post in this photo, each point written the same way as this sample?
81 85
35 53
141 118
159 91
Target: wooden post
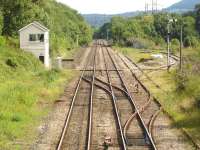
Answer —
181 46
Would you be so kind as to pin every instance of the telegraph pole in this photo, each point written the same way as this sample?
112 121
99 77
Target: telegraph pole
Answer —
107 35
168 45
173 20
77 40
181 46
156 6
152 6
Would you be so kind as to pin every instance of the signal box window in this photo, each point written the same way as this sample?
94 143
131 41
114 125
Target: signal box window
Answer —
32 37
41 37
36 37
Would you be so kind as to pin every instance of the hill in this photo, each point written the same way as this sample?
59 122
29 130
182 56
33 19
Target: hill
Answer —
98 20
184 5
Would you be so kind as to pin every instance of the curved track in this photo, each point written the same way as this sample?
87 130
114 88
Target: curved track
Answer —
133 109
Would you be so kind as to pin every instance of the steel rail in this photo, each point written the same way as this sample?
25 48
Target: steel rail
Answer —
145 105
133 74
152 121
124 147
133 115
91 103
142 71
150 127
127 124
106 84
69 114
99 86
114 86
133 103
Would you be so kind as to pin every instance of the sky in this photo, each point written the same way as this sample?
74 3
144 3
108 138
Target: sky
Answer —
113 6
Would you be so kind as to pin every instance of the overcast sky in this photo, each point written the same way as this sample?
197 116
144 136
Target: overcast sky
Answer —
112 6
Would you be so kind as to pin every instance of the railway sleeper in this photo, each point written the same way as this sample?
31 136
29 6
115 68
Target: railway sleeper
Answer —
137 138
137 142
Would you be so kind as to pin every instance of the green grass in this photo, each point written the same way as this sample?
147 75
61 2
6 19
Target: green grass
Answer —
136 54
69 54
27 92
182 105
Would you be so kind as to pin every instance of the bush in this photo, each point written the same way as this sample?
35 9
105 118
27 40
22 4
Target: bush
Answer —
175 45
1 22
11 62
13 42
49 76
191 41
159 41
140 43
2 41
181 80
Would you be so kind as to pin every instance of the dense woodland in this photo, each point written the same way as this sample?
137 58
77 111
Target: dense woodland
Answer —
64 23
147 31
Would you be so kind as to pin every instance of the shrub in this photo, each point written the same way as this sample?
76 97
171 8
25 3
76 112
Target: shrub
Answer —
49 76
2 41
11 62
13 42
181 80
1 22
191 41
175 45
193 88
140 43
159 41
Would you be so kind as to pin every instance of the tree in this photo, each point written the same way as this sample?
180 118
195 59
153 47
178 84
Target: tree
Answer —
160 24
18 13
132 28
117 28
197 9
175 45
1 22
189 28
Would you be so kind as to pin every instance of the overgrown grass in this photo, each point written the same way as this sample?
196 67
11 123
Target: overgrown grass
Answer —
181 105
27 91
137 54
69 54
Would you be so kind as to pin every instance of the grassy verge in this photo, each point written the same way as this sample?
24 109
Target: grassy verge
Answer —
180 105
183 105
133 53
27 92
70 53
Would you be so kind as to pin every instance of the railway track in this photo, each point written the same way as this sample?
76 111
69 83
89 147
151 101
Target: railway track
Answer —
73 127
110 108
137 112
144 106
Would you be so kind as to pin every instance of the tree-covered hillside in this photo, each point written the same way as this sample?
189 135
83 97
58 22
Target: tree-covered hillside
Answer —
184 5
151 30
98 20
64 23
